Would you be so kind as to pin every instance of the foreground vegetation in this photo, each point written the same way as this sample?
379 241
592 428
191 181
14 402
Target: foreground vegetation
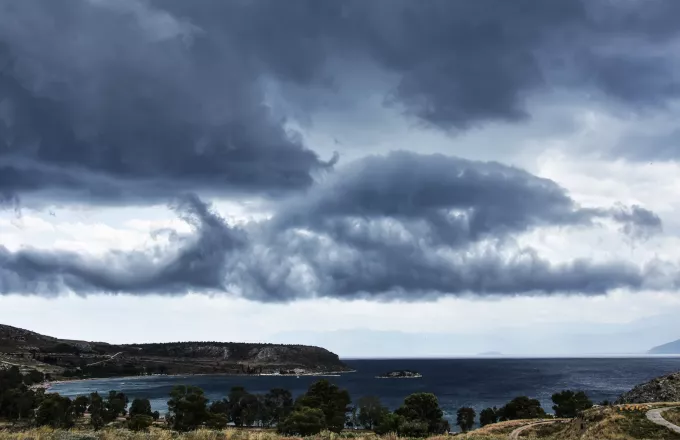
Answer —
323 412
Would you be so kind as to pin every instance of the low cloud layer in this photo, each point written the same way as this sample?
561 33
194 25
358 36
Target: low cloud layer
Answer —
402 226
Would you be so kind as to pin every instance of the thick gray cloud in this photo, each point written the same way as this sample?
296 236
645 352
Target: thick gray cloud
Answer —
131 100
110 98
456 200
403 226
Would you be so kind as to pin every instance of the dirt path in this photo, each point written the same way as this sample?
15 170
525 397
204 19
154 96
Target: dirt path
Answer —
656 416
514 435
105 360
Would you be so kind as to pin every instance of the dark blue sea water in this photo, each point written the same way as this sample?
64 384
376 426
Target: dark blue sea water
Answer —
478 383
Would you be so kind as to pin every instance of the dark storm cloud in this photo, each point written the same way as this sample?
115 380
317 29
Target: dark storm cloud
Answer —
403 226
156 95
147 101
456 200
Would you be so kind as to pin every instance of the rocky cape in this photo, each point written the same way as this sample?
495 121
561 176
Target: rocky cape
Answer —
660 389
63 358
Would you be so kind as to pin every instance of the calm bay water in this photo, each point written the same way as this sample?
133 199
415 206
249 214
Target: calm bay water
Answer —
478 383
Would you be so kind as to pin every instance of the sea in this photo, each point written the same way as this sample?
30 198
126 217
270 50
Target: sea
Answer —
475 382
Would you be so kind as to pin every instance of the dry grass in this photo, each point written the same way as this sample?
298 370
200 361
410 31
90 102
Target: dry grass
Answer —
672 415
162 434
603 423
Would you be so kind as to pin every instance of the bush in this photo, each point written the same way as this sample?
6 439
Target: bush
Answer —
140 422
303 421
413 428
217 421
389 423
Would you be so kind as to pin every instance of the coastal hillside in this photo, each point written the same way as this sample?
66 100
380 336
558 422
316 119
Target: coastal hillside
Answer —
73 358
669 348
660 389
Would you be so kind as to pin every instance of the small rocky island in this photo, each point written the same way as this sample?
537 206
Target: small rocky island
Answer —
400 374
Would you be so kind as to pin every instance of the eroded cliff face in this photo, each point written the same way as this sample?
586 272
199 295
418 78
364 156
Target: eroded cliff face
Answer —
660 389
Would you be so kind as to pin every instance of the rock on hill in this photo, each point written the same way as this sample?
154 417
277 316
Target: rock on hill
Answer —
71 358
670 348
660 389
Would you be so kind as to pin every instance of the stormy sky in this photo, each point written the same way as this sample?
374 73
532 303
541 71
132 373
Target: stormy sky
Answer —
321 167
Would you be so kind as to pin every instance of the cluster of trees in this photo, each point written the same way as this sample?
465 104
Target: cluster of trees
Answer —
17 400
324 406
567 404
19 403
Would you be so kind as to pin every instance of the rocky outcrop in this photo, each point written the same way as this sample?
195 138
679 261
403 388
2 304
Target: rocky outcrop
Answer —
400 374
660 389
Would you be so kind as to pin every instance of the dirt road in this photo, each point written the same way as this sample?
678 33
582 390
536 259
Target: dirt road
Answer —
105 360
514 435
656 416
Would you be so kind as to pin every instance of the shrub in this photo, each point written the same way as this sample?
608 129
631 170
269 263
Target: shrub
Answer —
140 422
303 421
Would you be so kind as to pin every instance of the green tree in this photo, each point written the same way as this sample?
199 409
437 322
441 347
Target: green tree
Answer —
187 408
140 422
424 407
243 407
96 410
33 377
521 408
569 404
17 404
219 407
141 407
352 419
465 418
116 405
371 411
80 404
331 400
55 411
488 416
277 405
304 421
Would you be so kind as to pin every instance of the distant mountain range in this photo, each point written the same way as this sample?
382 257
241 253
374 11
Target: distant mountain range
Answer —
71 358
670 348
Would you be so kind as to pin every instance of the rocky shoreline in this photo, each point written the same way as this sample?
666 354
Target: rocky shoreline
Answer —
48 385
